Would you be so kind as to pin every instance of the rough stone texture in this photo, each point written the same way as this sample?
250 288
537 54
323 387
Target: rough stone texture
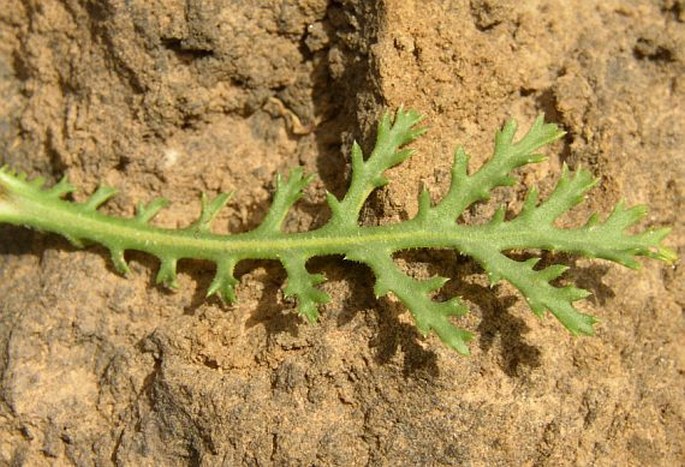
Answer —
171 98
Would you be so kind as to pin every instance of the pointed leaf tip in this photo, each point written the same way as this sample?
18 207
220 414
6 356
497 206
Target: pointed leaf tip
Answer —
301 284
553 272
209 208
223 284
287 192
61 188
37 183
101 196
308 310
356 157
119 261
167 273
424 205
431 284
334 205
145 213
505 136
223 287
454 337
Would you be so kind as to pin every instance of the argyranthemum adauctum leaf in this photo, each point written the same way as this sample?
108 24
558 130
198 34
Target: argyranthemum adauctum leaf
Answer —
27 203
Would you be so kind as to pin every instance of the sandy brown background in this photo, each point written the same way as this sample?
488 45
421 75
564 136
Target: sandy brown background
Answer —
172 98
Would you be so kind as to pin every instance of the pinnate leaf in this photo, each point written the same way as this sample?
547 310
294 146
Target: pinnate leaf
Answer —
26 202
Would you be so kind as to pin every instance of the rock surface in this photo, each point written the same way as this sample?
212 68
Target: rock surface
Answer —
171 98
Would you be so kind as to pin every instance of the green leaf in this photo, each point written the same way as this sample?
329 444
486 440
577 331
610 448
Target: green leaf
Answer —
368 175
101 196
209 209
145 212
416 295
287 193
536 288
118 261
60 189
167 272
301 284
508 155
26 202
224 283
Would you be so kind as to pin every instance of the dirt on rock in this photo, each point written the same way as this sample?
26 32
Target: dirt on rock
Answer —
173 98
